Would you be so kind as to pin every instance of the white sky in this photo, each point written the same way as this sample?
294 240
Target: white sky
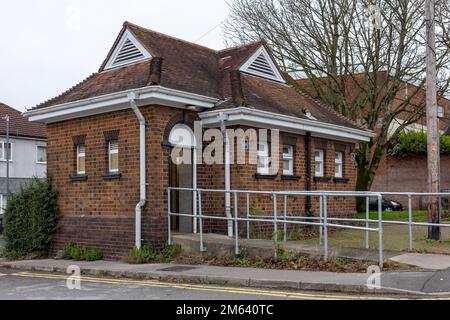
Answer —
50 45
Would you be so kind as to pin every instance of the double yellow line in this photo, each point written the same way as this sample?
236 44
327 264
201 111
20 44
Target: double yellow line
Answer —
197 287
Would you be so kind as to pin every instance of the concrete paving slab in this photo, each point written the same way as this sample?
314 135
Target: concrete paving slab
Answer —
425 261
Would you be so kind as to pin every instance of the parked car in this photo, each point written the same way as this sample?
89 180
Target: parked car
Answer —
387 205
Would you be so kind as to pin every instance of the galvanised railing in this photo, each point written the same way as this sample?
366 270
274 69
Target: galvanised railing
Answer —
323 221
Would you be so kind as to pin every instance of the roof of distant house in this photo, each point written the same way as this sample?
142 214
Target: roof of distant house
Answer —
185 66
19 125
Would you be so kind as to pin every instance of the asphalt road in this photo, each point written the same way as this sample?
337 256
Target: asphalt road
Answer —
20 285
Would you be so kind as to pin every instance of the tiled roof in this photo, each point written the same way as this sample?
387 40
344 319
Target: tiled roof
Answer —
19 125
197 69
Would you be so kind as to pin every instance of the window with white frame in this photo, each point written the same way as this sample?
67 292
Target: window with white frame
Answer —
113 155
5 151
81 159
319 162
41 154
338 164
288 160
440 112
263 158
3 201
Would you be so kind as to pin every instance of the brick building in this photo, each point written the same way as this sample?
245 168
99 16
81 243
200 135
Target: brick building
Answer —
111 137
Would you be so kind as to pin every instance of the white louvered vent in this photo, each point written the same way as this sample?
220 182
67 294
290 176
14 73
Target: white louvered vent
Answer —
128 50
128 53
262 65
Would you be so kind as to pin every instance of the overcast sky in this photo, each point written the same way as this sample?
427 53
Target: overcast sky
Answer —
50 45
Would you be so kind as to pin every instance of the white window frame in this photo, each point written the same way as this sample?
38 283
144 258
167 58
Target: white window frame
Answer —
80 155
3 203
110 153
440 111
2 146
264 155
339 164
288 157
37 154
319 161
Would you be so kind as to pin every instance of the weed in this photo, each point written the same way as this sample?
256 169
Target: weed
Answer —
145 254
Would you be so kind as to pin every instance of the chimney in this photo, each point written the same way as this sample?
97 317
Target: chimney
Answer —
236 88
155 71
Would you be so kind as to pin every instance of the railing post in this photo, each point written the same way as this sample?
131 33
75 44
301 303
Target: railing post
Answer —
236 228
248 215
200 220
169 217
320 219
285 217
367 221
275 227
410 234
380 230
325 228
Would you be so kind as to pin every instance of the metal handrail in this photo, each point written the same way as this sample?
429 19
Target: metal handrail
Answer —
323 221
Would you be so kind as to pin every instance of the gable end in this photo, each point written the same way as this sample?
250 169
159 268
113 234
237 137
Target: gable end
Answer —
261 64
128 50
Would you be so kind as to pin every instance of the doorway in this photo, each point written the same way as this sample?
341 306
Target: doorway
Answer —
182 174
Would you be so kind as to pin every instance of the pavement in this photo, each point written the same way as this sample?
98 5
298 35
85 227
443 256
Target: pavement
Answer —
435 283
424 261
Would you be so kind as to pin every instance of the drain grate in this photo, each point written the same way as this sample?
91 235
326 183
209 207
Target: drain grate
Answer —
177 269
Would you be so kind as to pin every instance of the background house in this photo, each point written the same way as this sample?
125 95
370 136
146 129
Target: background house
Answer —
28 155
394 173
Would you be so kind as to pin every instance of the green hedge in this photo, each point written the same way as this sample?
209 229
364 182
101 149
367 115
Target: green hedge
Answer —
30 219
415 143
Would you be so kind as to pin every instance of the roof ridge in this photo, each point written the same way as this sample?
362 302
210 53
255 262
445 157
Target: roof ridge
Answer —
127 23
66 91
242 45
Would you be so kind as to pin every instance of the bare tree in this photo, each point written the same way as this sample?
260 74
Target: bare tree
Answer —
357 55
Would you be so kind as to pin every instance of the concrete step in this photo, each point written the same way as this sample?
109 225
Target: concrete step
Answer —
221 246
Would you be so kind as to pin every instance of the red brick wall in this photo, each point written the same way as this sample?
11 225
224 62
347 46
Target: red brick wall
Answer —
408 174
100 202
99 212
243 178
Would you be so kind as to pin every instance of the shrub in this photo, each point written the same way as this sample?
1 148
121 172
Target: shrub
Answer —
75 252
2 251
145 254
415 143
30 219
170 252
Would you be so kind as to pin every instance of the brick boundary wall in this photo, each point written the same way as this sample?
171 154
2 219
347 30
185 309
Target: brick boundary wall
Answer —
408 174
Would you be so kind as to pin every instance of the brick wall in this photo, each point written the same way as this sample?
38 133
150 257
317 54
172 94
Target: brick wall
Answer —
403 174
99 211
99 201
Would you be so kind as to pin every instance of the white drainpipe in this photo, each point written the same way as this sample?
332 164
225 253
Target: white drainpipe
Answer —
223 128
138 213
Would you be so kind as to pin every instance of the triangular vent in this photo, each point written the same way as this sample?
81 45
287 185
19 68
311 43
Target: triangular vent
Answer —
262 65
127 51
